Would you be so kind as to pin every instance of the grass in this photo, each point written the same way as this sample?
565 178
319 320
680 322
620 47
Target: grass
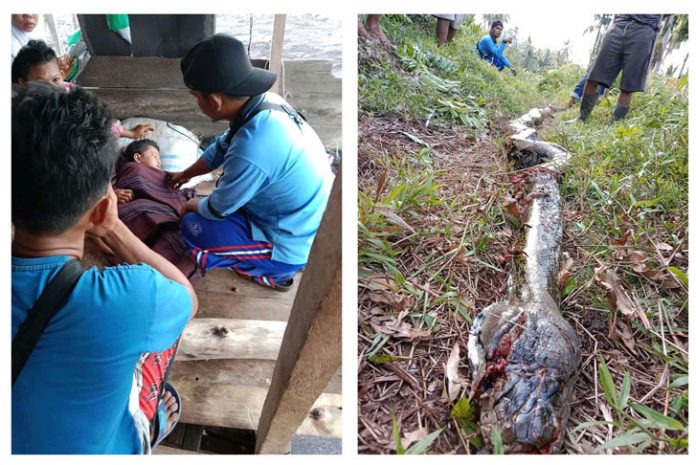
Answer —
435 245
625 195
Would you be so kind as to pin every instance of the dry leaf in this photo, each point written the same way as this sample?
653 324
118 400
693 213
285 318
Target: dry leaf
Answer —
396 219
626 336
564 274
511 210
452 381
618 299
624 238
663 246
413 436
619 254
399 328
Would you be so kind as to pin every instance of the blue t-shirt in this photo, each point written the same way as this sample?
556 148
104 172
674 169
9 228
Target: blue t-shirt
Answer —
490 51
74 391
276 171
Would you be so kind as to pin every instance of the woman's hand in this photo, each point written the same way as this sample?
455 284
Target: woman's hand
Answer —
123 195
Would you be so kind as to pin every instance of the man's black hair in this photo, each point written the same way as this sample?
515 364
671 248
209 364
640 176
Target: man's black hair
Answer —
34 53
137 146
495 23
63 155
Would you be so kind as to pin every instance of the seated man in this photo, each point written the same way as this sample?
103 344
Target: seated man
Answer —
489 49
92 383
261 218
149 207
36 61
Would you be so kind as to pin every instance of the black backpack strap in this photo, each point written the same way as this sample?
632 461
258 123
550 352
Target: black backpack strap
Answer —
51 300
236 125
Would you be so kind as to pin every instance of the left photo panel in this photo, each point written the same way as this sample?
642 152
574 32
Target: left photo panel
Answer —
176 234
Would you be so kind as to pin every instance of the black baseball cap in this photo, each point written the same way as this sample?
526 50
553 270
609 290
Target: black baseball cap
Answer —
220 64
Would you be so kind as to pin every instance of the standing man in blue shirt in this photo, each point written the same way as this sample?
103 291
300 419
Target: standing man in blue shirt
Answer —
90 385
261 218
489 49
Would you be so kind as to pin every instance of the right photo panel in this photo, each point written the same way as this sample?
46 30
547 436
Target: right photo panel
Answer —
523 234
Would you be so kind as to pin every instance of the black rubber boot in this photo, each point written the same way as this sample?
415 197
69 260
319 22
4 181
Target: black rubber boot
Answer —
620 112
586 106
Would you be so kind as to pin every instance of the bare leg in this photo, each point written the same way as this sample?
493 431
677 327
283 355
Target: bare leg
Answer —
450 33
622 105
625 98
442 30
362 32
589 99
590 87
375 30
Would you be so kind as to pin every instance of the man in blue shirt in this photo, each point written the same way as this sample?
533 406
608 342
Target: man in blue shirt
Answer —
80 389
489 49
261 218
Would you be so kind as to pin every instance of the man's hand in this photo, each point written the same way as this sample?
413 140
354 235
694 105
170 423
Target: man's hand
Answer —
178 178
508 40
512 70
190 206
123 195
111 219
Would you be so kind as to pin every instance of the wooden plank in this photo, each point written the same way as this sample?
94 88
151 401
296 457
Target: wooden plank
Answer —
224 294
216 338
312 89
231 406
176 106
128 72
276 62
132 72
257 373
165 450
311 350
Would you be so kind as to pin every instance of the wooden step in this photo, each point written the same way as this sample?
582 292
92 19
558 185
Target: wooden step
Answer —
166 450
257 373
233 406
225 338
224 294
231 393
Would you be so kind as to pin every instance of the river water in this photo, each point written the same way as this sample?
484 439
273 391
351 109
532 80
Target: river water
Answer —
306 36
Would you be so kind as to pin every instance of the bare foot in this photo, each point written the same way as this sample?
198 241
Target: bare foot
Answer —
171 406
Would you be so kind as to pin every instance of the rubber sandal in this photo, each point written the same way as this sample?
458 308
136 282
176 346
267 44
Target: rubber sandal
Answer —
161 429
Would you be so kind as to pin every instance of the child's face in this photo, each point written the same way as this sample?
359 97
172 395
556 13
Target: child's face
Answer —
149 157
48 72
25 22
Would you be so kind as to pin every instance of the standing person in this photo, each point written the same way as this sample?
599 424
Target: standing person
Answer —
372 29
261 218
22 27
92 383
446 27
627 47
489 49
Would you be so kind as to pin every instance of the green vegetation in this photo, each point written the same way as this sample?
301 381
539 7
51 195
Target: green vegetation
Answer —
435 241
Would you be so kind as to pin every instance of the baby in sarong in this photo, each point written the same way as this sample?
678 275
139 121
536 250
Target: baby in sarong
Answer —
149 207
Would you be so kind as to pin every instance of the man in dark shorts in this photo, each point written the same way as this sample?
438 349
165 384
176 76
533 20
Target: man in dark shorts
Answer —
627 47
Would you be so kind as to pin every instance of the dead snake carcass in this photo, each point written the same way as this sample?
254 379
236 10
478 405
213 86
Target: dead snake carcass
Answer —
524 355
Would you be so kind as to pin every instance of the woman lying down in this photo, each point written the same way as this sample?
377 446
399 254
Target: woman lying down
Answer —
149 207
